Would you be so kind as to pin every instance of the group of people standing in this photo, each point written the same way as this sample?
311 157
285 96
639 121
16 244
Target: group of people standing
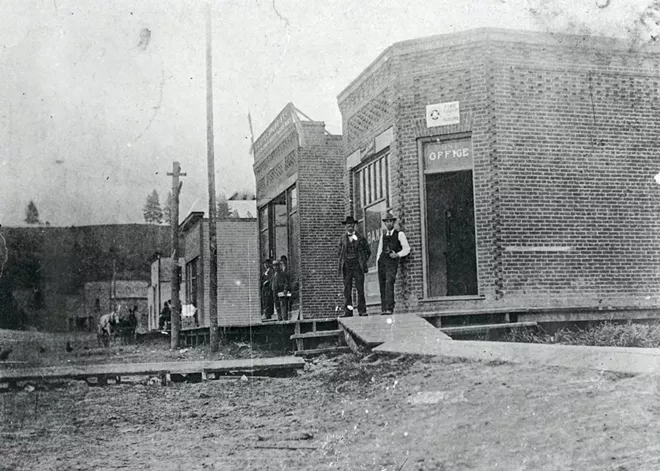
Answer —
276 289
354 253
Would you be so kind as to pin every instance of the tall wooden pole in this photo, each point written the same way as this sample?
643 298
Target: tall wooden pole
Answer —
213 241
175 307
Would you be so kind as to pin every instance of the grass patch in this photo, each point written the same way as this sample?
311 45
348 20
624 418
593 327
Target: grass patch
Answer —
606 334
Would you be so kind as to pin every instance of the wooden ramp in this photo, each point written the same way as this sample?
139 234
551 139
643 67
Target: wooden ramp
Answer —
163 370
375 330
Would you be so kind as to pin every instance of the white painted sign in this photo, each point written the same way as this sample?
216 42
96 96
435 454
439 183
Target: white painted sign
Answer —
442 114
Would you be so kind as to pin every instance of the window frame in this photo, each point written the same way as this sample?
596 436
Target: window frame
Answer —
421 142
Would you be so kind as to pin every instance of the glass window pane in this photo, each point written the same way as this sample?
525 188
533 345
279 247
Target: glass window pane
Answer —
359 189
293 198
294 259
363 188
381 177
265 251
281 231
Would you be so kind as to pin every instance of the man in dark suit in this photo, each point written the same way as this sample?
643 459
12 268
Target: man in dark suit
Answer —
281 289
393 246
353 253
267 301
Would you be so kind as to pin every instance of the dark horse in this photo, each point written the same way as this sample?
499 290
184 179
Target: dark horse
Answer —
127 326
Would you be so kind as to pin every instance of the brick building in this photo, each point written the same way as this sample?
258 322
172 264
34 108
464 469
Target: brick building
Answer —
238 270
297 165
520 166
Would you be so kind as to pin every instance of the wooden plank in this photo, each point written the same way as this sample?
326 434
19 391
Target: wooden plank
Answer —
317 334
593 315
318 351
616 359
606 311
350 341
374 330
471 329
147 369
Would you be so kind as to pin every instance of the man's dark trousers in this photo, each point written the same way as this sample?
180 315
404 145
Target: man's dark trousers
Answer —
387 269
353 272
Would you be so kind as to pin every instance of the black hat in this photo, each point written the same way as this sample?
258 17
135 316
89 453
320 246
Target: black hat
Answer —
349 220
388 216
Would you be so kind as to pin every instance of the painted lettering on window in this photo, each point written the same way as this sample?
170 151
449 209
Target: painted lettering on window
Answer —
448 156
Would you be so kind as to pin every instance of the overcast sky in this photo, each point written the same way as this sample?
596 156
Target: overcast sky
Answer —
94 110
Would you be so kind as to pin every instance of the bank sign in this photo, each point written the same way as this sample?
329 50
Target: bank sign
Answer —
448 156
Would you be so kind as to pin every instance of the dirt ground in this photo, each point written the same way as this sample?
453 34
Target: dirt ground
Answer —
342 413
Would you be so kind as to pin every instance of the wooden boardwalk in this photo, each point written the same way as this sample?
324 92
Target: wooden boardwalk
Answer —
615 359
375 330
162 369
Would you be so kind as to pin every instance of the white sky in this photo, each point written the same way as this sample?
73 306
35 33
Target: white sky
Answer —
90 122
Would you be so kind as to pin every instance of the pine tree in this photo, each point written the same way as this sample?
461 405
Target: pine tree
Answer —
223 210
32 214
151 210
167 210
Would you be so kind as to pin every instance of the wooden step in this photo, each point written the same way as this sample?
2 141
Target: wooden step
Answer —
318 333
474 329
318 351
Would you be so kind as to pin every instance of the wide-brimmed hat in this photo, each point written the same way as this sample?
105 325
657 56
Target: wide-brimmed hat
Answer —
349 220
388 216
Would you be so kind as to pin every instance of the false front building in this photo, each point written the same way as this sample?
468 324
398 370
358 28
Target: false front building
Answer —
298 168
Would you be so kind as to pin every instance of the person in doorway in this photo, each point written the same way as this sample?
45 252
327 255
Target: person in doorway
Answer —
353 253
267 301
285 268
281 289
393 245
165 316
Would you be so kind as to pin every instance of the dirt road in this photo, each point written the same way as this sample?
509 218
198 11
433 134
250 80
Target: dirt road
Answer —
344 414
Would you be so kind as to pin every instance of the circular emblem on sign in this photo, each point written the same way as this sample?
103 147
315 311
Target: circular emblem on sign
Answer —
435 115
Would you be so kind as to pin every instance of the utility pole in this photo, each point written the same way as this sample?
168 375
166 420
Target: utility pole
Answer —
210 154
174 280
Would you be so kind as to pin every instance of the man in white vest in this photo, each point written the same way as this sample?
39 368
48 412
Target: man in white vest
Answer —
393 245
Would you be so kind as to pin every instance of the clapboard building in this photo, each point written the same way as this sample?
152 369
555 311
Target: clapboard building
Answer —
520 166
238 271
298 167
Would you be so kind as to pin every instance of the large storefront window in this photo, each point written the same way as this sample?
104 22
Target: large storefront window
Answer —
450 230
279 234
372 199
263 233
192 274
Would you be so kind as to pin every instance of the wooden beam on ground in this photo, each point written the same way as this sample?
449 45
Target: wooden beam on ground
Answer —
350 341
316 334
318 351
604 312
242 366
475 329
615 359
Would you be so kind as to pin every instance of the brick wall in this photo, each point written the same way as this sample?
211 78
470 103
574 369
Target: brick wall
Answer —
320 203
578 143
565 148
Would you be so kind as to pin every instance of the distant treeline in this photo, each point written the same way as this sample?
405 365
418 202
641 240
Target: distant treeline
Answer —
62 259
